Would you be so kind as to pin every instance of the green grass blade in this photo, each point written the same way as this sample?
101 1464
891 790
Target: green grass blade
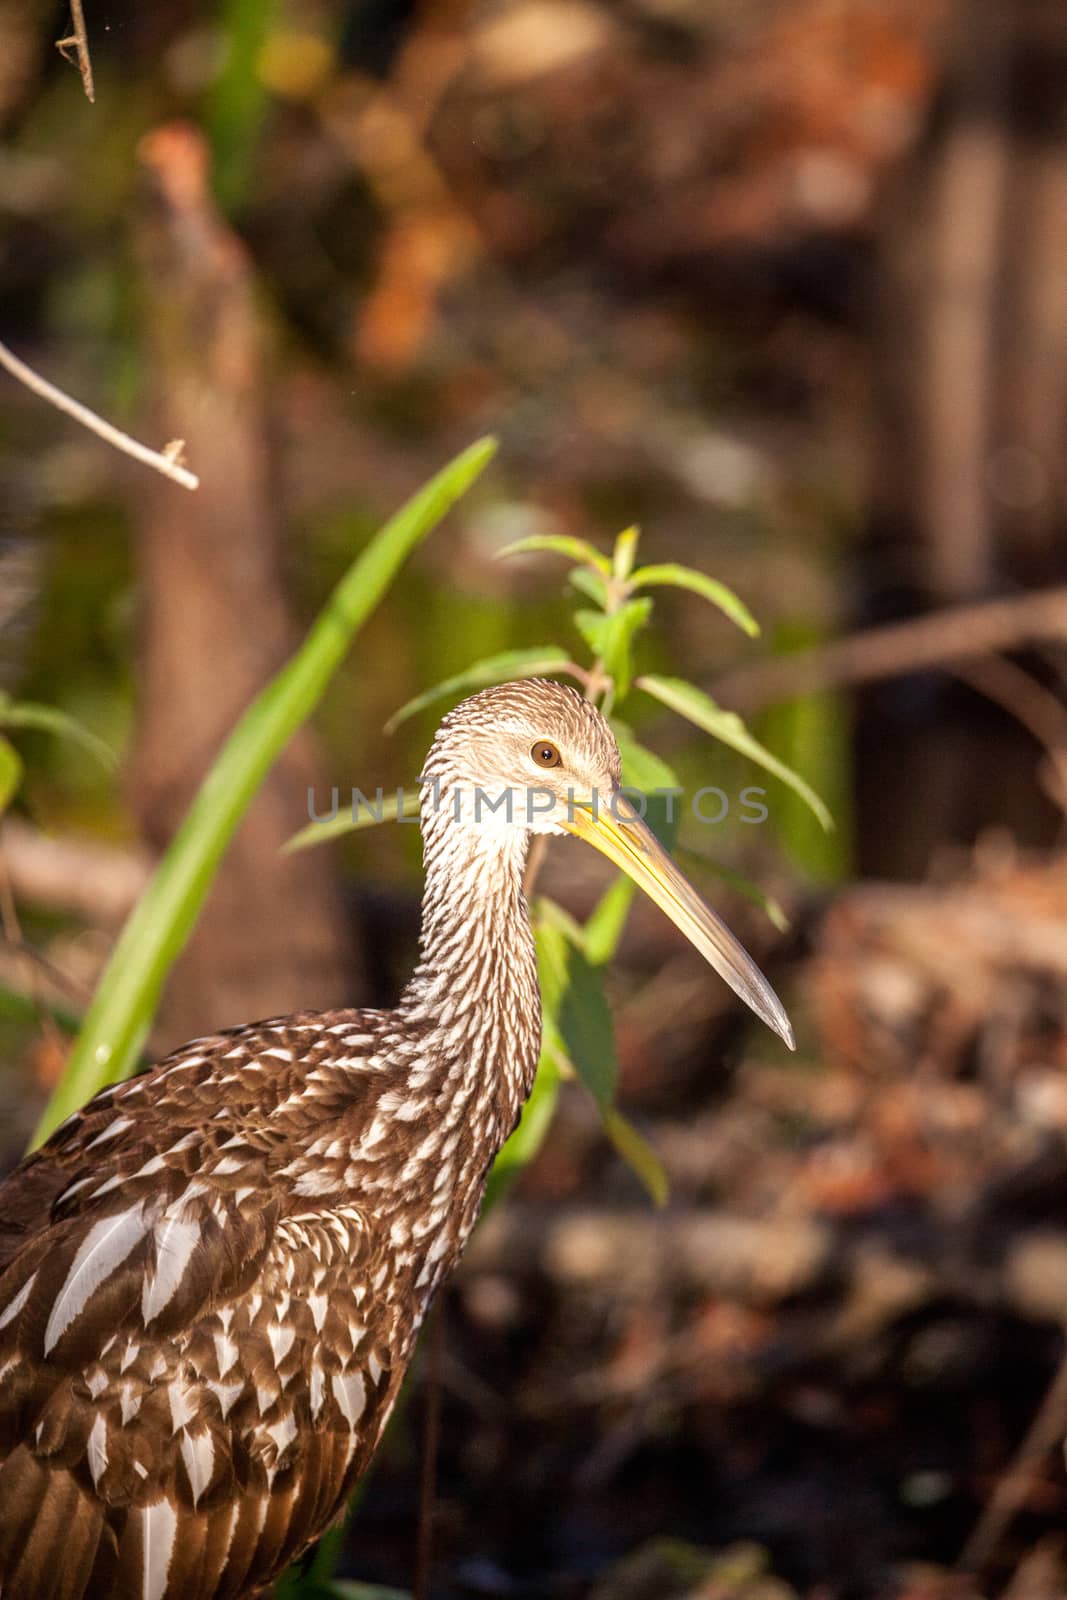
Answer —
117 1022
493 669
727 726
669 573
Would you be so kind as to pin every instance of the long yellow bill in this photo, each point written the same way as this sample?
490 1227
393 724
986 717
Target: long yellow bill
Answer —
621 835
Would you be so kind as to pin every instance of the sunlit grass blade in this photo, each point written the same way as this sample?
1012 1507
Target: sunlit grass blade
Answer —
670 574
560 544
699 709
118 1020
493 669
361 814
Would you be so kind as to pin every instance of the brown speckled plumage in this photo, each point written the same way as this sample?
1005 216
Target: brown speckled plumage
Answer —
211 1278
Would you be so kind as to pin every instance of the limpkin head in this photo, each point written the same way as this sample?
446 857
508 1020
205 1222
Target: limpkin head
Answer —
537 758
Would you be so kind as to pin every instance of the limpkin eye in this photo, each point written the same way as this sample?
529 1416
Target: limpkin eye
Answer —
545 754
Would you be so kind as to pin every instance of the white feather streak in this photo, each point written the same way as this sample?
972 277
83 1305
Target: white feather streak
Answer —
350 1393
316 1385
159 1524
198 1454
175 1241
225 1353
13 1307
96 1449
283 1432
226 1393
105 1247
112 1131
281 1340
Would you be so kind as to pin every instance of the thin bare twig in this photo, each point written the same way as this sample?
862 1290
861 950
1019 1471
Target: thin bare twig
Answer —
39 964
164 461
1033 706
1044 1435
78 41
957 634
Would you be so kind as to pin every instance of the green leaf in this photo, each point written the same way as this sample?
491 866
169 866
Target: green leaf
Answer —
610 636
591 584
49 719
529 1136
623 555
10 773
638 1154
623 627
593 627
814 730
560 544
405 803
603 928
771 908
641 768
493 669
574 1005
237 99
156 931
670 573
728 727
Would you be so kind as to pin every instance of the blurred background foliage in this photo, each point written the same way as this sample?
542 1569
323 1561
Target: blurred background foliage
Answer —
782 281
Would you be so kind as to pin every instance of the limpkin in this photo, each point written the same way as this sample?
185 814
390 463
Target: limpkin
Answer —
213 1275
